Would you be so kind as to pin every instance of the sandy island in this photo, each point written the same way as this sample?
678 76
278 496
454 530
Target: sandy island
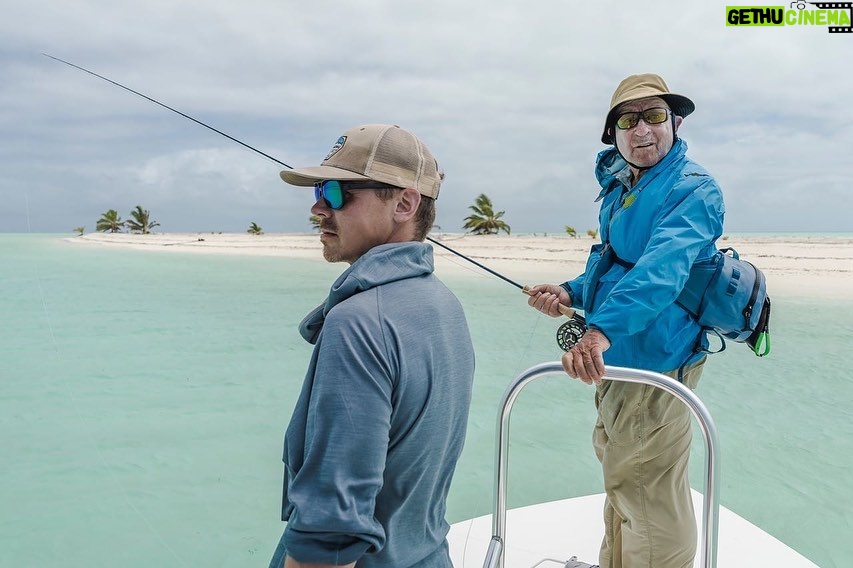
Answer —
802 266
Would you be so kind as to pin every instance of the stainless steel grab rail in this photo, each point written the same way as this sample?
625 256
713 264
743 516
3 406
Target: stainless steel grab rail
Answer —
711 502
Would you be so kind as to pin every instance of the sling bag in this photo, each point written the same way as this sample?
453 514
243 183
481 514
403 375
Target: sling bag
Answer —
728 297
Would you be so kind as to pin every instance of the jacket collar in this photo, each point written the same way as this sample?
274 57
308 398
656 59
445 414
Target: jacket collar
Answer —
609 164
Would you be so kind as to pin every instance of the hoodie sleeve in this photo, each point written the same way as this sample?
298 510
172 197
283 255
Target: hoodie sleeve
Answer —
334 492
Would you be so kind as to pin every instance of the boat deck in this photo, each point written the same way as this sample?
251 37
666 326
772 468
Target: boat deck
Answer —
573 527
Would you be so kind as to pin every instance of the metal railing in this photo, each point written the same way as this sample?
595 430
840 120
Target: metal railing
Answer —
711 503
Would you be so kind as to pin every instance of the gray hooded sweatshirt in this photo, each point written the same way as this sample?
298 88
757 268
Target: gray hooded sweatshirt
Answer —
379 425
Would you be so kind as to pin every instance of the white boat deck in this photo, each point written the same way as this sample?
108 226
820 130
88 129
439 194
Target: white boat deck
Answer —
573 527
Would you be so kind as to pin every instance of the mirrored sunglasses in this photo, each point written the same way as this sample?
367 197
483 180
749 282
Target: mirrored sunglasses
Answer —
628 120
333 191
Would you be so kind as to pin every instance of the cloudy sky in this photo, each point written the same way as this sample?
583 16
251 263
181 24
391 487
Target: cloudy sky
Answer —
510 97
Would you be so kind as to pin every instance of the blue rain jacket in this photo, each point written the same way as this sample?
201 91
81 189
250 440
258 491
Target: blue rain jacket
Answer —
380 422
670 219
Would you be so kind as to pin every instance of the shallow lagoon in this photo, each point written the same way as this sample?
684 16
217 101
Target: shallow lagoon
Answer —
144 398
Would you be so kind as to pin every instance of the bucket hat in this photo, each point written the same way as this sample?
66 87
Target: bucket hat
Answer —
378 152
639 87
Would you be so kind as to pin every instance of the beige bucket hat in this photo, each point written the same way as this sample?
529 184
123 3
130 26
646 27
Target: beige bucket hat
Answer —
379 152
639 87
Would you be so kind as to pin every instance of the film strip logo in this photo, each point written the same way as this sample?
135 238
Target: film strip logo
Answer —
801 5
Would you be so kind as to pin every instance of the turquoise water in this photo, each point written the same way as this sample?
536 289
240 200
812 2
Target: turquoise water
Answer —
144 396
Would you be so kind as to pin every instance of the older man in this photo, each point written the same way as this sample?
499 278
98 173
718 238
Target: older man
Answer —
660 212
379 425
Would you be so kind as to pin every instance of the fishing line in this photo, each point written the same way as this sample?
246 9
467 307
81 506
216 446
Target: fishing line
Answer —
466 267
567 335
475 263
76 405
27 205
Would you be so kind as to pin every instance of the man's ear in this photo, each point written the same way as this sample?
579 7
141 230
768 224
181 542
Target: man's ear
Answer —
408 201
678 121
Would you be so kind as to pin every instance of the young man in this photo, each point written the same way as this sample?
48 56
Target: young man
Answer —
379 425
660 213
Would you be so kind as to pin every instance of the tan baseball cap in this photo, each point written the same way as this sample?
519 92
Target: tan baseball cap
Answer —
640 87
380 152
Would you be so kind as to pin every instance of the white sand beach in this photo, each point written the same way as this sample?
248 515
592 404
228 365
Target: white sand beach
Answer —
794 265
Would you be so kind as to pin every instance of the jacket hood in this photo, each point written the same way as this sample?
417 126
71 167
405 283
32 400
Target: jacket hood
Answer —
608 163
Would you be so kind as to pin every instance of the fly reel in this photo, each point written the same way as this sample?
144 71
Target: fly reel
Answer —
571 332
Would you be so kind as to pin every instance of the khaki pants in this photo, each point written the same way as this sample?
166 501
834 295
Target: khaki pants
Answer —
642 438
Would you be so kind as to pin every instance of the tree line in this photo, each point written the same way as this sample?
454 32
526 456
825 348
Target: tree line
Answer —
110 222
483 220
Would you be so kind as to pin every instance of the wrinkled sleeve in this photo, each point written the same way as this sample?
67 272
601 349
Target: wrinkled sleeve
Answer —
681 232
334 492
575 289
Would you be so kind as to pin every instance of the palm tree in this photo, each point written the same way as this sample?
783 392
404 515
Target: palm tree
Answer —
141 222
315 222
255 229
571 231
484 220
592 233
110 221
80 230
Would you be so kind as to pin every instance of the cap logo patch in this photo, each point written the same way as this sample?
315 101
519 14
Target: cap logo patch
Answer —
338 145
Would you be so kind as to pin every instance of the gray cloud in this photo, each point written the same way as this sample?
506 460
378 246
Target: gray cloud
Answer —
509 96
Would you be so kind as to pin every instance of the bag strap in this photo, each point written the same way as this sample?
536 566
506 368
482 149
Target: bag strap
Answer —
709 330
700 349
623 263
735 255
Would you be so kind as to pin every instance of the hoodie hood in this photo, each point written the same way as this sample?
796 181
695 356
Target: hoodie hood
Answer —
380 265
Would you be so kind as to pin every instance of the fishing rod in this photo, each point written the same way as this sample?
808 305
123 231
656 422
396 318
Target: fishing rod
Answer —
156 102
474 262
565 310
567 335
